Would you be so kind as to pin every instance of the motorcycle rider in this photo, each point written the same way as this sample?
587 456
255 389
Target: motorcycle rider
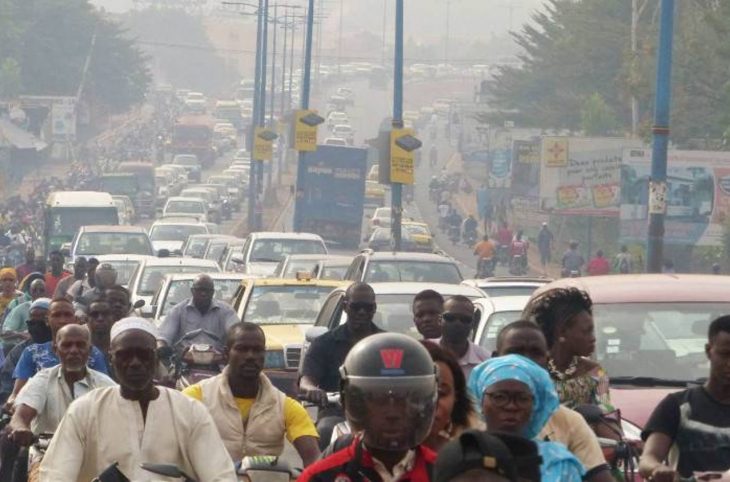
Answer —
389 391
252 415
470 228
484 251
572 260
519 247
105 276
200 311
504 241
454 222
433 156
81 267
320 370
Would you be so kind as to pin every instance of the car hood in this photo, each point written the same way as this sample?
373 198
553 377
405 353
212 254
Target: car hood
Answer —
280 336
168 245
261 268
637 403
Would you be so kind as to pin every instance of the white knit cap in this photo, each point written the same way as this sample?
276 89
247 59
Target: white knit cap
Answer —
133 323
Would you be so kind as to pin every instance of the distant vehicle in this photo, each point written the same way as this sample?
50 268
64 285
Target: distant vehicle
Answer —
334 268
195 102
185 206
292 264
194 135
124 264
95 240
374 194
333 196
66 211
171 234
233 186
191 165
176 288
497 312
230 111
335 117
373 267
151 272
344 131
382 240
168 184
335 141
197 244
217 246
263 250
508 285
125 207
347 94
212 199
144 195
420 234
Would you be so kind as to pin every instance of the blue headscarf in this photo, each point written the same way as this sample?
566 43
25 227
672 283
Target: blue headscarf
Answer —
517 367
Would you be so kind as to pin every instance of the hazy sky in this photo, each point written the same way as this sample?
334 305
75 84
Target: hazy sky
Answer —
425 19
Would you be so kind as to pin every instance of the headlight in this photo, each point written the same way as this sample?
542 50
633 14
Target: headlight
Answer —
275 360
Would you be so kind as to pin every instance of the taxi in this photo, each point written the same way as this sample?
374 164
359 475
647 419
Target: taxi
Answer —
420 234
285 309
374 193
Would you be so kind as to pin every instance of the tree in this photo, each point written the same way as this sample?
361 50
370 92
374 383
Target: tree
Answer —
10 78
597 118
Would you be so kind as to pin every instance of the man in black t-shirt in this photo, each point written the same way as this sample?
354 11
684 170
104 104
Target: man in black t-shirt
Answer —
696 421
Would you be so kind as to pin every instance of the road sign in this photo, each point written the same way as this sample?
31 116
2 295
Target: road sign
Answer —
263 146
402 153
305 130
555 151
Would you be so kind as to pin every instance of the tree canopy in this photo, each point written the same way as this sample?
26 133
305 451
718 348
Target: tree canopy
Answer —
577 64
44 45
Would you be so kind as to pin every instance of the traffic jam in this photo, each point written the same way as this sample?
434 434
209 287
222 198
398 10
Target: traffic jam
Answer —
358 262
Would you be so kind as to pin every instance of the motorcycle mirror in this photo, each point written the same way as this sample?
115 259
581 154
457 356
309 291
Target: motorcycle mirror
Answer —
138 304
591 413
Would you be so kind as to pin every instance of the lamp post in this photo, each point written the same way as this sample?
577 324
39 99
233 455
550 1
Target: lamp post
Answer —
396 189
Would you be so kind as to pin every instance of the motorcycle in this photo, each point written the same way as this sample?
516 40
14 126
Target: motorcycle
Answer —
518 265
470 237
454 234
329 416
189 363
35 455
485 268
503 254
266 468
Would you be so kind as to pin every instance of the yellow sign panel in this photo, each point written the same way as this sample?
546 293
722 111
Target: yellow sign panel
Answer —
305 136
555 151
263 150
401 161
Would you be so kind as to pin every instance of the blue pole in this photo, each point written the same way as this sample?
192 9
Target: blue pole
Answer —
396 190
262 110
305 105
254 122
657 210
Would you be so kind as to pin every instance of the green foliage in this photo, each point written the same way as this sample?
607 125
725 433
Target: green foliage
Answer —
10 78
597 118
51 40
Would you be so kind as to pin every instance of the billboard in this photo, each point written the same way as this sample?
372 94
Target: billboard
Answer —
581 175
697 197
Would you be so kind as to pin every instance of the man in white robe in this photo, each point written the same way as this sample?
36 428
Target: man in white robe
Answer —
136 423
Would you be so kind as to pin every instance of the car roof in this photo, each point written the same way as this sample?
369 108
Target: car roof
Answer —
186 261
103 228
183 198
79 199
649 288
282 235
507 281
177 222
505 303
413 288
121 257
226 275
296 282
408 256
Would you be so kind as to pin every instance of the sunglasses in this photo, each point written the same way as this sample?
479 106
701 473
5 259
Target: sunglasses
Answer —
362 306
451 317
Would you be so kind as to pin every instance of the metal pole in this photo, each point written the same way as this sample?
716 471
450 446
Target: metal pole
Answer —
448 31
273 67
396 190
657 207
254 122
291 61
385 22
339 41
262 110
283 63
305 105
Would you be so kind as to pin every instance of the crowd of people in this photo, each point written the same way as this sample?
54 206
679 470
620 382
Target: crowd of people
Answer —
435 409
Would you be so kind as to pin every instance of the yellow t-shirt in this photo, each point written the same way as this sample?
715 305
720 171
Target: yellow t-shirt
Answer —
296 419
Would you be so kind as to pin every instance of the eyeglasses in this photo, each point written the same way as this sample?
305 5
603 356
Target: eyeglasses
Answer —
502 399
362 306
451 317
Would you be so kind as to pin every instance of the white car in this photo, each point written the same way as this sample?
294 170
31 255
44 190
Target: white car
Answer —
151 272
124 264
344 131
186 206
335 141
172 234
336 117
381 218
495 313
263 250
507 285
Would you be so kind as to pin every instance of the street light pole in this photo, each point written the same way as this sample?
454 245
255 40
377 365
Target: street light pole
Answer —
252 189
448 31
658 184
305 105
396 189
283 63
262 110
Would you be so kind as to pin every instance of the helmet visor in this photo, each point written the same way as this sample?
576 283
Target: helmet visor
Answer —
395 413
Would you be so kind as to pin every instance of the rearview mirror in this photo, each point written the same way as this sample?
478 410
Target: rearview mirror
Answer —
138 304
163 253
66 249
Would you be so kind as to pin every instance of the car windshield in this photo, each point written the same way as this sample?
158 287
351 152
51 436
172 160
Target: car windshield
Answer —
272 250
179 290
125 270
175 232
215 250
336 272
185 161
153 276
295 266
113 243
496 322
501 290
196 247
657 340
285 304
418 271
185 207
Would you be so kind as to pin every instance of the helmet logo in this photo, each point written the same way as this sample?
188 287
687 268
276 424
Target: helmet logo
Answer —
392 359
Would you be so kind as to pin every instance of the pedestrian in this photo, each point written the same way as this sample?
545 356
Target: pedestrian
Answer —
545 244
598 265
457 326
573 261
624 262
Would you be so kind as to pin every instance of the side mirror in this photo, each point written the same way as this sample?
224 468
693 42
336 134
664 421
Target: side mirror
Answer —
138 304
237 259
163 253
314 332
66 249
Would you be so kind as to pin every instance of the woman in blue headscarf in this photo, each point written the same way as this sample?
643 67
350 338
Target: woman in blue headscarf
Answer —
517 396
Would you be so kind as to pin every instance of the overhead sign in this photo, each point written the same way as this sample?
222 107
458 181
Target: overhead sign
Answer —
263 145
402 160
305 130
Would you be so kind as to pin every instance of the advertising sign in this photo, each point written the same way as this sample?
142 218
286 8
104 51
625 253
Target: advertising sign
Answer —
695 198
401 161
305 135
263 149
581 175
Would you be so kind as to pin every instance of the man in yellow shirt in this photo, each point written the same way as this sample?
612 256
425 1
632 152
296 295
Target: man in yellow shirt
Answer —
244 392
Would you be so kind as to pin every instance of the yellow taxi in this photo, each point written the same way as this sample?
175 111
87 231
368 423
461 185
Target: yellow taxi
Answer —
374 193
420 234
285 309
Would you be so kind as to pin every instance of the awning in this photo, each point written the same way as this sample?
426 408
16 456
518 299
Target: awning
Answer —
14 136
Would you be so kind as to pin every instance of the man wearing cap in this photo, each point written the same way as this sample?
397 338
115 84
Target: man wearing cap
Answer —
81 267
105 276
136 422
14 322
41 403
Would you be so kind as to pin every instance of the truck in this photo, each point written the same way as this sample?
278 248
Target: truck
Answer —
331 196
136 180
193 134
